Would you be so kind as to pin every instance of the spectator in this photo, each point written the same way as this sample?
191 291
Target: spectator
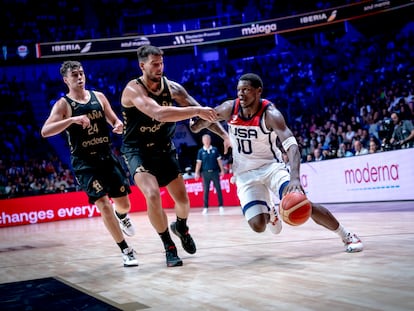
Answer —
61 184
36 186
359 148
317 155
373 146
403 133
350 133
309 158
340 153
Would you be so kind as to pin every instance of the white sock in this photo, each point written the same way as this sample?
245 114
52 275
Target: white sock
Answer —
342 232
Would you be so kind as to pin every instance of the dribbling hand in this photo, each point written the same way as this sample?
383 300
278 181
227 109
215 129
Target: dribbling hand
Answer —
294 185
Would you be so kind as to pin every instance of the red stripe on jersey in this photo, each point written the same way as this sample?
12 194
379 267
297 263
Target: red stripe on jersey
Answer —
238 119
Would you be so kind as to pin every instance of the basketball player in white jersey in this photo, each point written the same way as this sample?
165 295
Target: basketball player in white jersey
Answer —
259 171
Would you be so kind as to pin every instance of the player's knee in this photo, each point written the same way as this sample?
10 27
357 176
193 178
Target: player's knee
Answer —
256 215
152 195
258 223
105 207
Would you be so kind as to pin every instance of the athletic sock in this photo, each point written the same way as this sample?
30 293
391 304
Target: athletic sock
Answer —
342 232
120 216
166 239
122 245
182 225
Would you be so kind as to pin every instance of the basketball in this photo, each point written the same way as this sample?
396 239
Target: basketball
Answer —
295 208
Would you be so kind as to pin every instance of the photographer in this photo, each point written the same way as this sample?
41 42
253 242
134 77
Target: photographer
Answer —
403 133
385 130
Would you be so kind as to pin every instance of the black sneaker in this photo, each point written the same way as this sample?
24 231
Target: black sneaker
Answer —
172 258
186 240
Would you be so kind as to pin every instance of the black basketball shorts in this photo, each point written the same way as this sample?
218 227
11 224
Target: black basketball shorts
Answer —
101 175
162 164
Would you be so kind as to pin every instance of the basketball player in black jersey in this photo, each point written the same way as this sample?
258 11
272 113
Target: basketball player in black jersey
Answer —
85 115
150 116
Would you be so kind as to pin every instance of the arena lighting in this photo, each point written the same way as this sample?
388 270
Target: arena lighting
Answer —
193 38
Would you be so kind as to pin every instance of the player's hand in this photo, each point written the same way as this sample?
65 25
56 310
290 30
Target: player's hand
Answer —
82 120
208 114
196 124
294 186
193 121
226 145
118 128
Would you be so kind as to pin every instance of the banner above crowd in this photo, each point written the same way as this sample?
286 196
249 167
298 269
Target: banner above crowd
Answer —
220 34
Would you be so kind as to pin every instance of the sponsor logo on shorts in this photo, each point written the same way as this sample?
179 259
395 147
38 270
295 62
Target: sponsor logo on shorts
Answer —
97 186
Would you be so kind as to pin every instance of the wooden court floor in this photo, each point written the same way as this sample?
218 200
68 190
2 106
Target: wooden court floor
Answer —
303 268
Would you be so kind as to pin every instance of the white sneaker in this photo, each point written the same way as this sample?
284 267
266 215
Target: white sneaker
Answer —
128 256
221 210
275 224
353 243
126 225
205 211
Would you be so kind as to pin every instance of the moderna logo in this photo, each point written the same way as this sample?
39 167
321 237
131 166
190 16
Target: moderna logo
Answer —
372 174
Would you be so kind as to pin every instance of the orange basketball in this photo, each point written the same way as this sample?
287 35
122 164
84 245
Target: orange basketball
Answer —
295 208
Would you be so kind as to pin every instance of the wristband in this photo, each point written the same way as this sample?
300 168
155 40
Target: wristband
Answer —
289 142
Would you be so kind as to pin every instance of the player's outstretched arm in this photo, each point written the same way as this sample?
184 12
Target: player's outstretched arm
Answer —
223 113
135 96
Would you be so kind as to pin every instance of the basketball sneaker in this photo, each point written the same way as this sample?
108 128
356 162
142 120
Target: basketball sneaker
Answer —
274 224
186 240
128 256
353 243
221 210
172 258
126 225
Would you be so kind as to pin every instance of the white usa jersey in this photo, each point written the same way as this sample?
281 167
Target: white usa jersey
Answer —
252 143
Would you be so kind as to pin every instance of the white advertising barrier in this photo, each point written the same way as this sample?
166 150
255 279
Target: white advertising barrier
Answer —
384 176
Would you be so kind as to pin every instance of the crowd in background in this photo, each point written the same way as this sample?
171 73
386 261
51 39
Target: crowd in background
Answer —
337 96
31 21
